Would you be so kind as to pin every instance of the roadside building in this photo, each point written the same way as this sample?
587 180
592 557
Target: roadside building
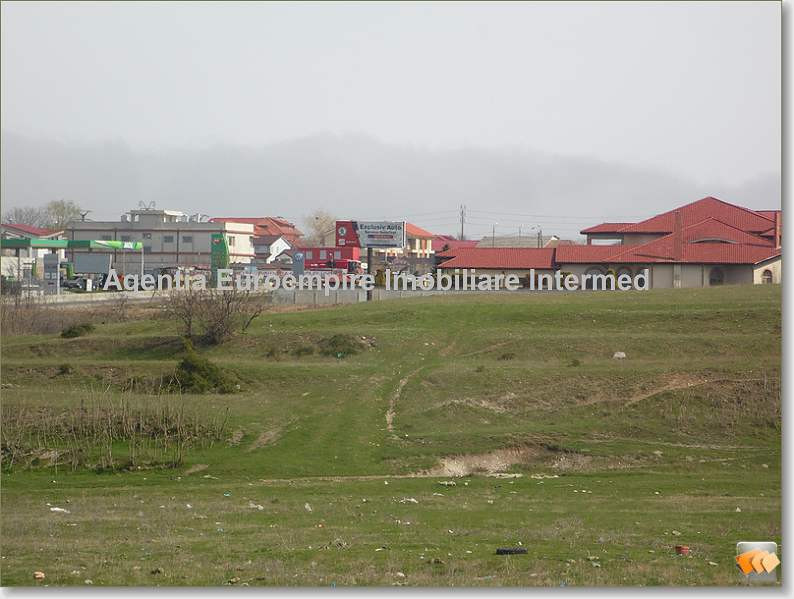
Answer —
273 235
30 259
499 261
415 257
519 241
268 248
170 238
708 242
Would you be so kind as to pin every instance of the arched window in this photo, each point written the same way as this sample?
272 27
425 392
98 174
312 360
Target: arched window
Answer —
593 270
767 278
716 276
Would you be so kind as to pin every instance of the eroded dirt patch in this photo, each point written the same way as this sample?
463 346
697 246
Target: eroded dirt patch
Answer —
491 462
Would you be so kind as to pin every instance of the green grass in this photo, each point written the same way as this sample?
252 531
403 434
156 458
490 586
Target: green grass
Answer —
674 438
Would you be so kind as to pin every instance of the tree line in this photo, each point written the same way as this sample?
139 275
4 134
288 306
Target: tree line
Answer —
55 215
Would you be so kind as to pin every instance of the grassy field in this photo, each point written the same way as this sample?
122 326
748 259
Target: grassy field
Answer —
463 425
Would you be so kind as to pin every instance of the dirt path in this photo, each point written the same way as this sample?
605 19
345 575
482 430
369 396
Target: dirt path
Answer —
676 383
395 396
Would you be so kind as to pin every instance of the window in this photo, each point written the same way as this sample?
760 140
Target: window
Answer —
323 254
309 255
716 276
187 239
106 238
767 278
147 249
337 254
125 238
593 270
147 235
231 240
168 239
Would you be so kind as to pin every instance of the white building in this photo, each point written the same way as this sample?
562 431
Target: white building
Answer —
169 237
15 261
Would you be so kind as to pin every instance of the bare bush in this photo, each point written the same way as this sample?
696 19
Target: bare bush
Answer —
106 432
212 316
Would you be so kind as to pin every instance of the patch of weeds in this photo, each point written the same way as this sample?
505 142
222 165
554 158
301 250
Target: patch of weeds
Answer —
340 345
77 330
574 363
480 368
65 369
507 356
303 350
196 374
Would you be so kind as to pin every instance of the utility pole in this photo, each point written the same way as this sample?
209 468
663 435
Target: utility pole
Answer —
493 235
462 219
540 237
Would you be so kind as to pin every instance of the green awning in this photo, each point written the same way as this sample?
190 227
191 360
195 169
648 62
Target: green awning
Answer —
101 244
17 243
78 244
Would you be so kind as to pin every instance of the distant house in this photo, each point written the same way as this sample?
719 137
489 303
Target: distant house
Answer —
13 261
441 243
170 238
521 241
269 247
493 261
415 256
266 226
704 243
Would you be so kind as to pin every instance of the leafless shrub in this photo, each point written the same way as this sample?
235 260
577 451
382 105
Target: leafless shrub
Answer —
106 432
212 316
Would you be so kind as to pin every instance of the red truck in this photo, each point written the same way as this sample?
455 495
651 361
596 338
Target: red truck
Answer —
345 259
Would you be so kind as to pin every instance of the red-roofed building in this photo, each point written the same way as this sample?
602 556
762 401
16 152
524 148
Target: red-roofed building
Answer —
442 243
266 226
416 256
707 242
507 260
14 261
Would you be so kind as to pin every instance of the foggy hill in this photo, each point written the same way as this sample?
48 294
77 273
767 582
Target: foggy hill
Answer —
350 176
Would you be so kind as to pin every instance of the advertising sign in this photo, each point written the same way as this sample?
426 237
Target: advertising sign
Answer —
370 234
95 264
298 263
52 275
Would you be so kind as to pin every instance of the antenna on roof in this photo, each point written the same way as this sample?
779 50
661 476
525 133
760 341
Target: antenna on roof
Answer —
83 214
144 206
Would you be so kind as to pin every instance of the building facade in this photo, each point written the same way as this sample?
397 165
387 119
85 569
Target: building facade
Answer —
170 238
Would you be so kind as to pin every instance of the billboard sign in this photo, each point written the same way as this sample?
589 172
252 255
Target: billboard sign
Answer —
94 264
370 234
52 274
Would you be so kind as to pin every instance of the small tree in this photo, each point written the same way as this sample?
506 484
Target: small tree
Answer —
321 228
212 316
26 215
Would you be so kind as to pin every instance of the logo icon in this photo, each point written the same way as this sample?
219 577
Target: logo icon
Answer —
757 561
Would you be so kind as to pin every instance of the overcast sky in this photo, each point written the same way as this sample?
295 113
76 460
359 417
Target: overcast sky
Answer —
694 89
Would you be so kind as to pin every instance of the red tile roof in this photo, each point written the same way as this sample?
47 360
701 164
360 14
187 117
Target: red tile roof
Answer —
502 258
770 214
700 247
605 228
31 230
736 216
712 229
264 225
585 254
702 253
412 230
442 241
